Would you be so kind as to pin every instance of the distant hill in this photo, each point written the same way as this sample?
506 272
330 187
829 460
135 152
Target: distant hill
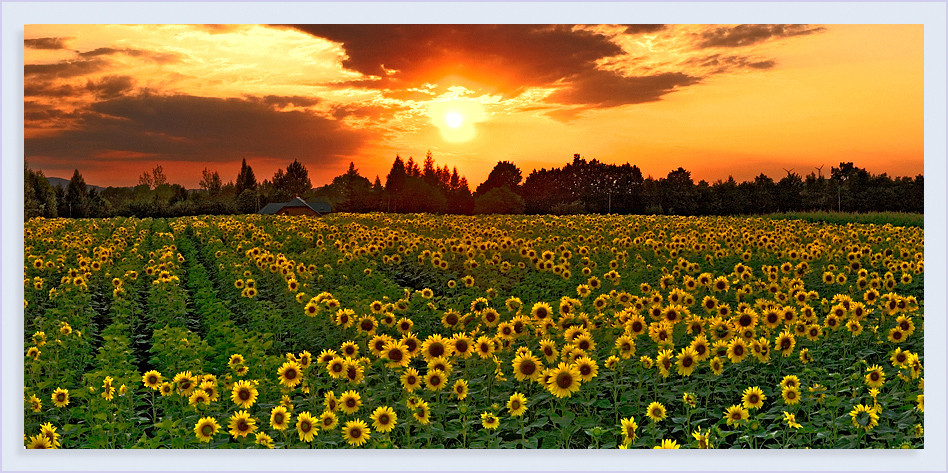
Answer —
64 183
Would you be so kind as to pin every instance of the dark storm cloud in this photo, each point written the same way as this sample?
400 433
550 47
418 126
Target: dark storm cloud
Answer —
110 86
45 43
197 129
639 29
607 89
720 63
745 35
282 101
65 68
160 58
47 89
508 57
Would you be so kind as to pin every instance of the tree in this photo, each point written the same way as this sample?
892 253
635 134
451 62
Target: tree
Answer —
395 182
39 197
211 182
77 196
295 181
153 179
499 200
505 173
245 179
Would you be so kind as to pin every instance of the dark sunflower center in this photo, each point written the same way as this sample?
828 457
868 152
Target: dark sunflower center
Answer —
379 345
436 349
564 380
897 335
687 362
874 376
745 320
337 367
395 354
278 418
584 344
791 394
243 394
350 402
585 369
636 326
366 325
514 405
290 374
242 425
460 346
351 372
411 380
305 426
772 318
384 419
435 380
753 398
451 319
206 430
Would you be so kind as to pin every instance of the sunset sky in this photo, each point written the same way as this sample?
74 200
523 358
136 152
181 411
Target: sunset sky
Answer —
719 100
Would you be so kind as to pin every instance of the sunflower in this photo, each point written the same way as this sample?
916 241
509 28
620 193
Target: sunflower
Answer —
396 353
306 427
586 367
484 347
328 420
664 362
377 345
336 367
39 442
635 325
108 391
290 374
244 394
440 363
897 335
166 389
864 417
349 349
753 398
241 424
668 444
460 389
899 358
60 397
736 414
875 376
367 325
656 412
737 350
628 430
49 431
541 311
410 379
791 420
548 348
350 401
184 383
791 395
152 379
383 419
436 380
205 428
563 381
785 343
526 367
805 356
702 438
717 366
517 404
199 396
687 360
435 346
422 413
625 346
279 418
489 421
700 347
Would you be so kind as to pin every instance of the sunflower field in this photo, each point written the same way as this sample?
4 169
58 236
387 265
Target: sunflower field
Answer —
423 331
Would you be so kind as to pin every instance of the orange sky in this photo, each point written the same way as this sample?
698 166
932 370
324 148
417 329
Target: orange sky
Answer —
719 100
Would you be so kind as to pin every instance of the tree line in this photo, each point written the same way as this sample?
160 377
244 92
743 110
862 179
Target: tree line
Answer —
580 186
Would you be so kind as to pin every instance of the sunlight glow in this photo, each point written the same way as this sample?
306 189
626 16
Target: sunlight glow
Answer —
454 119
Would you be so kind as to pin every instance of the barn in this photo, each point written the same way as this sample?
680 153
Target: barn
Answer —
296 206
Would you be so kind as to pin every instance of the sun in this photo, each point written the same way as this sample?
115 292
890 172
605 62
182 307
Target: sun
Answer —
454 119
